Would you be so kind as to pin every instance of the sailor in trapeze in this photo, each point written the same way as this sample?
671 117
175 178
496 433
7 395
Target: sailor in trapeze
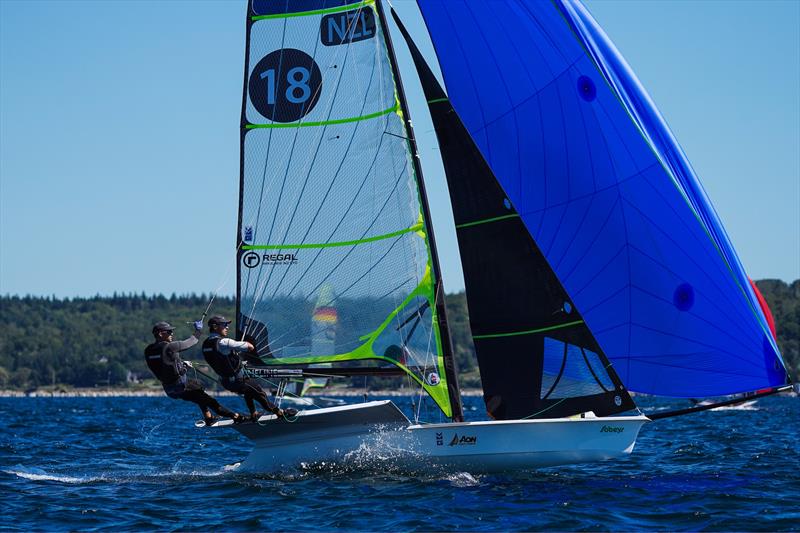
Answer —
164 361
223 355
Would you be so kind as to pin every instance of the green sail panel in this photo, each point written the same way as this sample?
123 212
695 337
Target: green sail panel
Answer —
329 201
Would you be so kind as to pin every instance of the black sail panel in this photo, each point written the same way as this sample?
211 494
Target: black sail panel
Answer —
537 357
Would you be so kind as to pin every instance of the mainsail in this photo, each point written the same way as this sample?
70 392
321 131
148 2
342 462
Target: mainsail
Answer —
331 199
606 194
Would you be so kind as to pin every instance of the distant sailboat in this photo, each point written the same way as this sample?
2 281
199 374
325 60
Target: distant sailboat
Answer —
594 264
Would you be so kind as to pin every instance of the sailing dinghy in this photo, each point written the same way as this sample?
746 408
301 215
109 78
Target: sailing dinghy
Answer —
594 263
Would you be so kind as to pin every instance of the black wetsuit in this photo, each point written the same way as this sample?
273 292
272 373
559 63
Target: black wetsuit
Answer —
229 368
163 360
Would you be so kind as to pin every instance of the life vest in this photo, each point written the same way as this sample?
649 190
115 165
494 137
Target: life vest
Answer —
153 356
226 366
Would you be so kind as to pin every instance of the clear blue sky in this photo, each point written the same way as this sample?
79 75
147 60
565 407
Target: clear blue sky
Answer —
119 134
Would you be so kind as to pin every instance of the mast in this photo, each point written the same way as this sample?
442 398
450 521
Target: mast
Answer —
438 287
240 203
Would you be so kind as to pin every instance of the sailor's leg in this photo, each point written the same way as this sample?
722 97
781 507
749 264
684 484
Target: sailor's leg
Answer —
194 393
255 391
237 386
251 406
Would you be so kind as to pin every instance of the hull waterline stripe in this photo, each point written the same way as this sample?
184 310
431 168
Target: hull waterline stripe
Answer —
529 332
323 122
485 221
315 12
416 227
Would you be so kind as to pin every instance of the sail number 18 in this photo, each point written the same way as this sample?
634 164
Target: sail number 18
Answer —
285 85
297 79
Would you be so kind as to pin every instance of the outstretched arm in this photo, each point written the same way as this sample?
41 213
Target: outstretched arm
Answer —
180 346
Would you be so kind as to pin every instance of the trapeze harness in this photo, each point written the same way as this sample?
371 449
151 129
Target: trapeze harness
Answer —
172 379
228 367
230 370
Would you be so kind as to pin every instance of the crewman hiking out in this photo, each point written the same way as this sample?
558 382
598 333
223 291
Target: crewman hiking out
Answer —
224 356
165 363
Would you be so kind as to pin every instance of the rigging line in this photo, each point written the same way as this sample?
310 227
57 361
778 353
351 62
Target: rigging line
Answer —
429 352
407 153
543 410
277 386
225 279
398 136
416 314
330 186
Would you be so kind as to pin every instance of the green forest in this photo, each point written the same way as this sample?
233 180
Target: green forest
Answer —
98 341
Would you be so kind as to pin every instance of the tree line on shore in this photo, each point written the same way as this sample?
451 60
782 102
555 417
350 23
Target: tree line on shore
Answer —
98 341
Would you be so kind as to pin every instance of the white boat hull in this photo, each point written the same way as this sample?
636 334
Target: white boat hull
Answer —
375 432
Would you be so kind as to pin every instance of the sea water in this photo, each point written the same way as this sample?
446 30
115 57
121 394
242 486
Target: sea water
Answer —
139 463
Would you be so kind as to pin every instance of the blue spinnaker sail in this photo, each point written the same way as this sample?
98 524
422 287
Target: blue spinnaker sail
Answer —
607 194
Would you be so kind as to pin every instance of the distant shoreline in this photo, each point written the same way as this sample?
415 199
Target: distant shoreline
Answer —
155 393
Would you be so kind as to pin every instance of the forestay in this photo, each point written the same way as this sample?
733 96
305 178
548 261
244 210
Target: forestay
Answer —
329 199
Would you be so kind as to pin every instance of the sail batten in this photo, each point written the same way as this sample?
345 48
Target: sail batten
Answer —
414 228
